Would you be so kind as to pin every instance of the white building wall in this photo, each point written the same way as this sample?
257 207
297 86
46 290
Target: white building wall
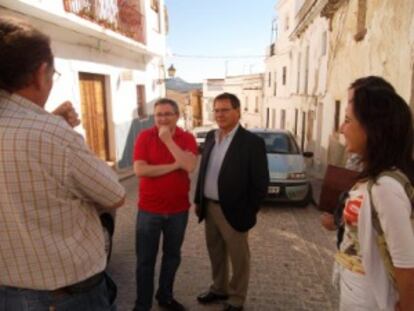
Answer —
249 89
297 104
124 64
310 39
280 77
334 65
386 50
155 30
211 88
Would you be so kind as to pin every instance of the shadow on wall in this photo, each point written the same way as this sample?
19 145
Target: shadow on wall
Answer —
137 125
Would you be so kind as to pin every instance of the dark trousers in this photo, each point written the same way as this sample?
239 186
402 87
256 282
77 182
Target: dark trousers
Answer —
148 233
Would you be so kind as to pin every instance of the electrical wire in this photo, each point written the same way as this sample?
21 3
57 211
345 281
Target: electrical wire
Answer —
217 56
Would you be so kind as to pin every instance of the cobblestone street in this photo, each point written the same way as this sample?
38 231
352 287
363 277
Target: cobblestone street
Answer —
291 260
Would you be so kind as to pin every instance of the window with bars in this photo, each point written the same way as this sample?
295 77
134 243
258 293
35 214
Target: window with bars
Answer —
296 121
361 20
283 119
256 107
267 117
337 115
155 5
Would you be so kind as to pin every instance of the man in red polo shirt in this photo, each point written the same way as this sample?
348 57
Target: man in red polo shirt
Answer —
163 157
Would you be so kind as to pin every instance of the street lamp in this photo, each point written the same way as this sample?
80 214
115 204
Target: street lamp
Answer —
171 71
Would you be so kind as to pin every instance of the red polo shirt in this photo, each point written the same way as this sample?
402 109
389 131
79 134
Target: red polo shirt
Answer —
166 194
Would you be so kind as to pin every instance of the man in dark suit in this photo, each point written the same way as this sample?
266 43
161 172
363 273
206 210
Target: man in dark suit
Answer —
232 182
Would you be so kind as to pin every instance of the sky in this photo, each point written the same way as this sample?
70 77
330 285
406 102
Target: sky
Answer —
207 38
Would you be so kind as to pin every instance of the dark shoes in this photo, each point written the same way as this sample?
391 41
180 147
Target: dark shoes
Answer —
172 305
232 308
210 297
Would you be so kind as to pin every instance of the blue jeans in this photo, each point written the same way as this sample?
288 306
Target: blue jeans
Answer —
99 298
148 233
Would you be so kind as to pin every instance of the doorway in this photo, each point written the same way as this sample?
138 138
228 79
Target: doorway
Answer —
93 110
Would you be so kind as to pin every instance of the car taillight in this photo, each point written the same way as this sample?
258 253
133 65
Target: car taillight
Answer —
300 175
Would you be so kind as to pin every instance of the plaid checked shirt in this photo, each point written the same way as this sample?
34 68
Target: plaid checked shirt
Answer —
50 183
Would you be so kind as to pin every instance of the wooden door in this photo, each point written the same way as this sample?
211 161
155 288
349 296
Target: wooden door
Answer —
141 102
94 119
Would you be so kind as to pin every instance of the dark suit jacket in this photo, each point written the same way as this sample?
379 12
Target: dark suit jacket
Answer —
243 179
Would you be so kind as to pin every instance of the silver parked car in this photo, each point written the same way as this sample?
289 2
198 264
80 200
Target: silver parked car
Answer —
200 134
288 178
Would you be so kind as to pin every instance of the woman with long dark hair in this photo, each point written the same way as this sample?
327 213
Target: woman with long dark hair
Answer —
376 257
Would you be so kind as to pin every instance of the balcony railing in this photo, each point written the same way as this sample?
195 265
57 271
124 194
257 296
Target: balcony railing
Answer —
122 16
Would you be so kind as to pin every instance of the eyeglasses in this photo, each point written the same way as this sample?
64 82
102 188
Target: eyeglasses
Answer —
166 114
224 110
56 75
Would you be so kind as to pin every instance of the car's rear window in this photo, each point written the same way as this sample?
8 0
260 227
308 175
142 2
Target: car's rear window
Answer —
279 143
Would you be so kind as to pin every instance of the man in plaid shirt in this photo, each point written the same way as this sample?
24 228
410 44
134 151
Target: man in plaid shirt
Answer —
52 254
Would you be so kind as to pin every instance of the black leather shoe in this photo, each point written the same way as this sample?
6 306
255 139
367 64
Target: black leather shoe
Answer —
172 305
209 297
232 308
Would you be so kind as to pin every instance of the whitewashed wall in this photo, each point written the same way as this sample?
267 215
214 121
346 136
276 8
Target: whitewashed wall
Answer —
124 66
